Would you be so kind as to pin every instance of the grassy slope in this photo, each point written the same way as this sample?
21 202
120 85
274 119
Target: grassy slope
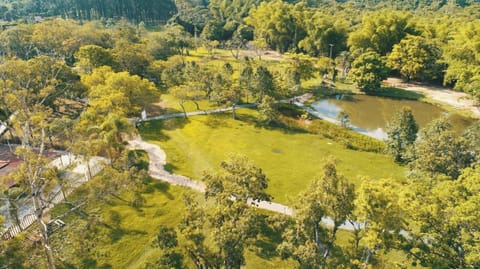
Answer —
128 244
124 239
290 160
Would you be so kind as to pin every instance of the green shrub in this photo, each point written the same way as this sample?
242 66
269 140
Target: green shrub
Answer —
350 139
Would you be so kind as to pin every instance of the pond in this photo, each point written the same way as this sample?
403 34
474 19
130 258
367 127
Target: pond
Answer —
369 114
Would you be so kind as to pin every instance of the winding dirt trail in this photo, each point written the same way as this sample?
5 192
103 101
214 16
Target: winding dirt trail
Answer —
156 169
457 100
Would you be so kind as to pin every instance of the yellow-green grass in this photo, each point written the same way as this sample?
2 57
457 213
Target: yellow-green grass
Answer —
124 237
125 241
289 159
128 244
171 104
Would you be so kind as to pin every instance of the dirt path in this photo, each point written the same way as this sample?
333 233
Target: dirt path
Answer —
457 100
156 169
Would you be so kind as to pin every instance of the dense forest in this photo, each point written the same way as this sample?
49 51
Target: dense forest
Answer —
389 32
76 75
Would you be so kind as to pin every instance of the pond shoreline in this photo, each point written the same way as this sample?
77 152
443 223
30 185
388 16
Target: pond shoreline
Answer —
369 115
445 97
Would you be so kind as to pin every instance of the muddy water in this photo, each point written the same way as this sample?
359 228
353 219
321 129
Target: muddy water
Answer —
371 113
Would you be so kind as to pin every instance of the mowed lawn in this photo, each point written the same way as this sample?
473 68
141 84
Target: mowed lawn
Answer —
289 159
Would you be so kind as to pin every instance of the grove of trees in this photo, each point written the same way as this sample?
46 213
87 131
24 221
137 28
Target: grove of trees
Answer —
111 60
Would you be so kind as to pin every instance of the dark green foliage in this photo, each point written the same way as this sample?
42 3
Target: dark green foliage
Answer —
267 111
305 238
463 58
472 138
380 31
143 10
263 83
416 57
402 133
368 71
349 139
440 151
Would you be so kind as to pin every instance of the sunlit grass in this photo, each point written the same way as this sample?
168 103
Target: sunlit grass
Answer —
289 159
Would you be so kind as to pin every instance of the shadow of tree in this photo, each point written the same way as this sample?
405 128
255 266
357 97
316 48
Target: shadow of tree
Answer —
117 233
268 239
169 167
396 93
153 130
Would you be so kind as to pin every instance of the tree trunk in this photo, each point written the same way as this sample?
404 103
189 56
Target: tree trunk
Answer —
184 111
367 259
197 105
89 169
233 110
38 206
62 189
13 212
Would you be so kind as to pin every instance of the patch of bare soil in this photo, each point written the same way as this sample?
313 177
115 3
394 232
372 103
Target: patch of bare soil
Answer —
458 100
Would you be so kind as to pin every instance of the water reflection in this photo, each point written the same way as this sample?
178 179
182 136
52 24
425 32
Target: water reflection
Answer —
369 114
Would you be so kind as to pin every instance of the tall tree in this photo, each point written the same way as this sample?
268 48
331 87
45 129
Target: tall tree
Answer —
379 209
225 89
381 30
166 240
463 58
416 58
232 221
444 227
402 133
278 24
119 93
368 71
263 83
30 88
185 93
306 238
440 151
299 68
267 111
90 57
323 33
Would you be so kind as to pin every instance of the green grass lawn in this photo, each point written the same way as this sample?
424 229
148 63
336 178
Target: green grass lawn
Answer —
124 234
289 159
124 240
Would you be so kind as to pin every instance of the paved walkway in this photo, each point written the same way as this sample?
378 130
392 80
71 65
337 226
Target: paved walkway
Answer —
194 113
158 159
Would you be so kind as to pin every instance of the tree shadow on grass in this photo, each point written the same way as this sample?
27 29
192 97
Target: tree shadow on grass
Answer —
398 94
91 263
218 120
169 167
277 125
154 130
164 188
118 233
268 239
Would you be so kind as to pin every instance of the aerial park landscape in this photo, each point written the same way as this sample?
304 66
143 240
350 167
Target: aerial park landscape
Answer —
239 134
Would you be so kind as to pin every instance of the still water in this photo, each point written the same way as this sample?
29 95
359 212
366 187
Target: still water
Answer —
370 114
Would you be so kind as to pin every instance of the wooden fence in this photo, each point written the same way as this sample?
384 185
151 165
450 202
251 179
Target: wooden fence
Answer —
13 230
53 200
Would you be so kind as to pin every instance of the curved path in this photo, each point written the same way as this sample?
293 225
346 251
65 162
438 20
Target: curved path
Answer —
449 97
156 169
